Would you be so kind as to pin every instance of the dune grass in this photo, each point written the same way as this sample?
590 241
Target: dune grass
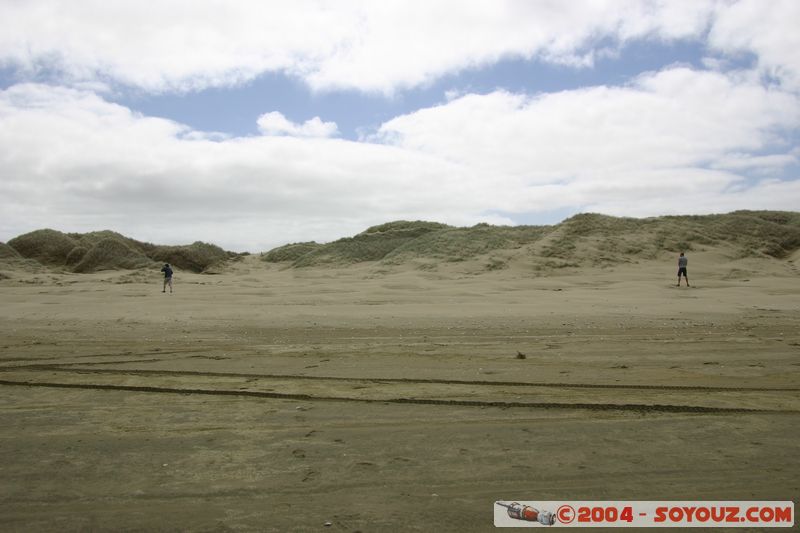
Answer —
111 254
746 233
195 257
290 252
459 244
104 250
587 239
372 244
47 246
7 252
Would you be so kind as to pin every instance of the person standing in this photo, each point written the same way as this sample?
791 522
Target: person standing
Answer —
682 262
167 270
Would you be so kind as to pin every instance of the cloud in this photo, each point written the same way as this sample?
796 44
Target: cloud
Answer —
675 141
675 119
368 46
275 123
766 29
71 160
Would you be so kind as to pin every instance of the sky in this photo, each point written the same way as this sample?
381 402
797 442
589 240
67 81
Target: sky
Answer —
254 124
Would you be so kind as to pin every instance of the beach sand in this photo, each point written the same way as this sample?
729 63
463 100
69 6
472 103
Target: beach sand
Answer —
390 398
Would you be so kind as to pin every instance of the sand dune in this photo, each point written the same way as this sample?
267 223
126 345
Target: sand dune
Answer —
583 240
586 240
108 250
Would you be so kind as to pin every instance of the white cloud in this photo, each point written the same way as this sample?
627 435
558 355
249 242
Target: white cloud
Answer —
674 119
369 46
764 165
274 123
70 160
766 29
670 142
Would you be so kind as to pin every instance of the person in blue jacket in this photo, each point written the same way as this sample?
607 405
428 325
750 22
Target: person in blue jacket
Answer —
167 270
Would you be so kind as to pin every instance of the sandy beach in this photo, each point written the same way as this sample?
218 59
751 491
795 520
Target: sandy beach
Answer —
378 398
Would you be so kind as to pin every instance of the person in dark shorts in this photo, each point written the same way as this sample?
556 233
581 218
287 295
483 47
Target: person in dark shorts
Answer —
682 262
167 270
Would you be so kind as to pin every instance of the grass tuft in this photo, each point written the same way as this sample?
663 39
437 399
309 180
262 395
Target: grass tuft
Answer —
111 254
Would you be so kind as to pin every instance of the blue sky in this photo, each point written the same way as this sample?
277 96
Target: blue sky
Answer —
252 125
234 110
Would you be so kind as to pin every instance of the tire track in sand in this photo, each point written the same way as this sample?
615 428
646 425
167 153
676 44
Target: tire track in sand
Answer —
665 408
72 368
